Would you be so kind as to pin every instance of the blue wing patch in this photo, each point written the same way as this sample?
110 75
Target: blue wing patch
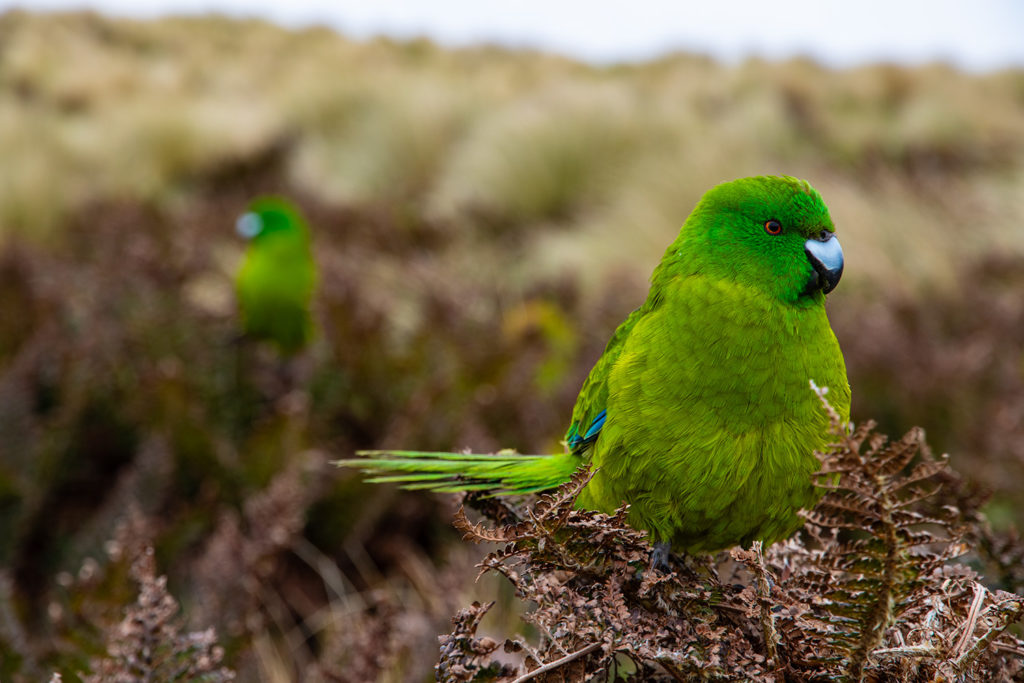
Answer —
578 443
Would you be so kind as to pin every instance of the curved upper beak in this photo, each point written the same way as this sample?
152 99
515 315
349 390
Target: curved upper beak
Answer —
826 257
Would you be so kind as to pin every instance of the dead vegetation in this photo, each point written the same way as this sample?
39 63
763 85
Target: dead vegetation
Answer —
870 590
482 218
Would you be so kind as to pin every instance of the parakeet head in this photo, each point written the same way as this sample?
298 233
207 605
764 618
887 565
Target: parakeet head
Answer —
773 233
269 216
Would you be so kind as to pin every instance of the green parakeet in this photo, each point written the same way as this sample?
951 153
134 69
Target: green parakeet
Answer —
699 414
276 281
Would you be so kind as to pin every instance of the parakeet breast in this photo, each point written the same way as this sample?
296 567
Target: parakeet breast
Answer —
275 285
711 424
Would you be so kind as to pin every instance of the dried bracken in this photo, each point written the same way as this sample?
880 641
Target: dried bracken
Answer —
870 591
391 633
468 283
600 610
148 644
464 656
243 552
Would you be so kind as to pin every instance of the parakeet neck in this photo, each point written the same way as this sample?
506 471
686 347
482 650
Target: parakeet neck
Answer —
284 245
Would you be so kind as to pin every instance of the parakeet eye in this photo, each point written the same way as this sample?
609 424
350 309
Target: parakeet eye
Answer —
772 227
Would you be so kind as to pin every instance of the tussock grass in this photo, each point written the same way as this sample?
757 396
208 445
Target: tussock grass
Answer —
483 218
922 165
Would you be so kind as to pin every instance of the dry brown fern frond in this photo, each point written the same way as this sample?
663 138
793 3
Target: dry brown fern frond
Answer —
464 656
876 589
148 644
232 574
870 591
599 609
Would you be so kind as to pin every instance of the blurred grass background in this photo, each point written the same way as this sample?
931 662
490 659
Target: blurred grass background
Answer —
483 218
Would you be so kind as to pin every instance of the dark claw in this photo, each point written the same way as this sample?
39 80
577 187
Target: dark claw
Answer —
660 555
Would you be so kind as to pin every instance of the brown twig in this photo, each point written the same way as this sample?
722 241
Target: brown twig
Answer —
551 666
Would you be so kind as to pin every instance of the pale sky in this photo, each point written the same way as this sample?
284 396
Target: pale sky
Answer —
977 35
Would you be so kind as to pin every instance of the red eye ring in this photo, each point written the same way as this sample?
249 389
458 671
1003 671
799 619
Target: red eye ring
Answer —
773 227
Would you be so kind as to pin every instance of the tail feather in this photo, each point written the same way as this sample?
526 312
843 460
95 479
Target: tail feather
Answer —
503 473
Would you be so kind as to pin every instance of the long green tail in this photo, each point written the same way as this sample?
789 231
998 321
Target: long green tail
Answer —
502 473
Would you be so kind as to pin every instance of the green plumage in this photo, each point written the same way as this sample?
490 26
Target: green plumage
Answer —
699 413
276 281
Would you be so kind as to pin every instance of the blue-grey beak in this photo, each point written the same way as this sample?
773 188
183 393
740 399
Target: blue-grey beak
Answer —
826 257
248 225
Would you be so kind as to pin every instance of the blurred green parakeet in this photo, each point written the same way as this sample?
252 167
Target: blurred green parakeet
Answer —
699 414
276 281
